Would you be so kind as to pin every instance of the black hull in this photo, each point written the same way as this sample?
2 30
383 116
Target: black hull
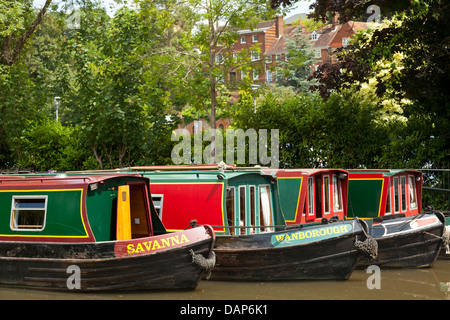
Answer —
247 258
99 269
408 249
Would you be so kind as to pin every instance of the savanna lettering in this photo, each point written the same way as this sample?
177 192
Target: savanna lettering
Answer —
157 244
312 233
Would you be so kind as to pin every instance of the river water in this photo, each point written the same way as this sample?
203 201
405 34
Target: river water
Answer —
394 284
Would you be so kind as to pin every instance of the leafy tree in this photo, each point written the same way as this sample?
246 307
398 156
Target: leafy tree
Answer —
18 22
406 64
296 69
211 59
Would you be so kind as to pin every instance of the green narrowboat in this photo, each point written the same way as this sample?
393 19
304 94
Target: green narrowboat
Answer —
253 242
93 233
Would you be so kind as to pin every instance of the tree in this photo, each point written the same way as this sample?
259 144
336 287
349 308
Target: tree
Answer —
211 58
296 68
406 62
17 25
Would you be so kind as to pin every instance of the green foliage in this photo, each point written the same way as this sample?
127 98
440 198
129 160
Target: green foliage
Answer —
340 132
296 69
51 146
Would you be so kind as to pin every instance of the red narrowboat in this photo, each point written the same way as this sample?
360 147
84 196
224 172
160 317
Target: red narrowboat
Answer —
310 195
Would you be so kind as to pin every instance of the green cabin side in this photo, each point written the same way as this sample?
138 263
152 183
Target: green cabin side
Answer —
60 208
379 192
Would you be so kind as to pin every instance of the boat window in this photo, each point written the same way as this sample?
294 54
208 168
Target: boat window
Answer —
158 203
412 192
242 209
388 200
311 196
403 189
337 193
230 208
252 208
396 196
28 212
265 208
326 193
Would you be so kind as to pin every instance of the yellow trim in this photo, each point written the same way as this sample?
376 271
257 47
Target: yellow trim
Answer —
50 236
299 195
381 195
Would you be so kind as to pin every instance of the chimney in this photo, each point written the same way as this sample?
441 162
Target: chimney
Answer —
335 19
279 24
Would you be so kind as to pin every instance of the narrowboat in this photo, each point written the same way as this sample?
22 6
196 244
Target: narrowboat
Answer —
404 240
310 195
94 233
252 239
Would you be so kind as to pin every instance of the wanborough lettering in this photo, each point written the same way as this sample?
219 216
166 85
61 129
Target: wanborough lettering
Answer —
310 235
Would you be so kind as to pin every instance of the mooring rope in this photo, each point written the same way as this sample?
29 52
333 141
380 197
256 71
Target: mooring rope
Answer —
368 247
202 262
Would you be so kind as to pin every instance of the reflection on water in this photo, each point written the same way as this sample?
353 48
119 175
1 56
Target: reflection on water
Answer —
431 283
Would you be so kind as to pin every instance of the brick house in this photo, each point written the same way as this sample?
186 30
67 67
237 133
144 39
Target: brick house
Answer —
271 39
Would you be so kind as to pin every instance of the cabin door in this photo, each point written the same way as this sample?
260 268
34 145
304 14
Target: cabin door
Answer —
132 212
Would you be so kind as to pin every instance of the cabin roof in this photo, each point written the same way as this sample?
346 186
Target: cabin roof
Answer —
385 172
59 179
206 175
300 172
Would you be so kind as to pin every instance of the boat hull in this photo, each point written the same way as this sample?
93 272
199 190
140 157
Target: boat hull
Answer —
109 266
259 258
406 242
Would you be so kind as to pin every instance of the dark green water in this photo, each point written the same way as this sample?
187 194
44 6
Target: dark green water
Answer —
395 284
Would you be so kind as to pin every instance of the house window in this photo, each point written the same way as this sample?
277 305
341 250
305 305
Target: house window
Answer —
318 53
28 213
345 42
255 75
314 35
219 58
269 76
255 38
268 59
412 192
255 55
243 40
157 200
278 57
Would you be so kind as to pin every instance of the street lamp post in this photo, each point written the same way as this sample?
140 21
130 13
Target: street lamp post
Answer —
56 101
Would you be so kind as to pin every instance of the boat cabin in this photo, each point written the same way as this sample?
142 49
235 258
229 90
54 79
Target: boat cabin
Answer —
379 192
89 208
233 202
309 195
